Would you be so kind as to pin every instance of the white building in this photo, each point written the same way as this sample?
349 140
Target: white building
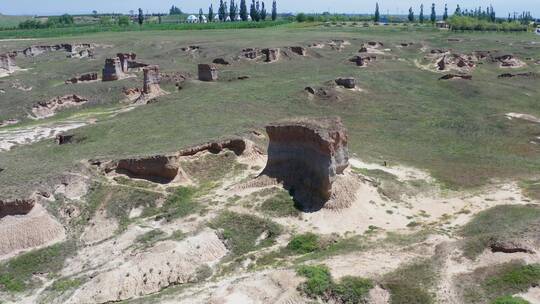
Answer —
192 19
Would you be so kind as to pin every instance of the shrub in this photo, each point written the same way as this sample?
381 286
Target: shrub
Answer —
301 17
319 283
515 279
510 300
352 289
304 243
124 21
318 280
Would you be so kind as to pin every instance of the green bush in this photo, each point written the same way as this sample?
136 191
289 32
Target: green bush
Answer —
124 21
319 283
304 243
318 280
181 203
515 279
352 289
301 17
510 300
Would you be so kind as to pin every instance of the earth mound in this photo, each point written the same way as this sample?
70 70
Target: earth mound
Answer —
306 155
49 108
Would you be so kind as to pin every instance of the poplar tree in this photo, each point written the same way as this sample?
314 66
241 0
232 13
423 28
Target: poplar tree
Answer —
421 17
263 11
445 16
243 10
233 10
411 15
211 13
274 11
377 16
433 16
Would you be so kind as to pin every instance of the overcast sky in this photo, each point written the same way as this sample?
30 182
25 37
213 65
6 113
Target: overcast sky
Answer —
44 7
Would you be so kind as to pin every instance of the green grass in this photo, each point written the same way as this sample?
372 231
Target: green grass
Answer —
242 231
11 21
320 284
510 300
89 29
412 283
500 223
304 243
280 205
456 130
16 274
213 167
181 203
149 237
494 284
531 188
66 284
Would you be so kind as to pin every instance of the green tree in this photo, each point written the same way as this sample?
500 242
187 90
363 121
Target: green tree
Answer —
141 17
301 17
123 21
263 12
377 16
201 16
233 10
433 16
175 11
458 11
274 10
445 16
421 17
411 15
243 10
211 13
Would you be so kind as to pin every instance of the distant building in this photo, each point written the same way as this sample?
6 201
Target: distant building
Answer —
192 19
442 24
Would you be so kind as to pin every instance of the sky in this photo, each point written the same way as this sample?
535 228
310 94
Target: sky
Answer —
51 7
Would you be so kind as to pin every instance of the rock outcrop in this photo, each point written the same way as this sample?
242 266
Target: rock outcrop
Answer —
251 53
16 207
306 155
73 50
208 72
346 82
165 264
271 55
30 227
509 61
166 168
362 60
221 61
299 50
125 59
83 78
49 108
7 62
112 70
151 80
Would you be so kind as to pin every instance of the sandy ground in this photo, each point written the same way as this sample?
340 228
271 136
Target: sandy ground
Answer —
27 135
526 117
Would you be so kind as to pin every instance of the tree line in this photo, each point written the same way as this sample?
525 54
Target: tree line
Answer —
234 12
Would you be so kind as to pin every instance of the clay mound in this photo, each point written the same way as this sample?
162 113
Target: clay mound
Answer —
165 169
456 76
73 50
346 82
406 44
191 48
271 54
298 50
327 93
34 229
88 77
125 59
167 263
509 61
113 70
251 53
445 61
160 169
306 155
207 72
344 192
338 44
49 108
7 63
363 60
16 207
175 78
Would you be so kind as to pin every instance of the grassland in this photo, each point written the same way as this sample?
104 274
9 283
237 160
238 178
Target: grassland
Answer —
454 129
